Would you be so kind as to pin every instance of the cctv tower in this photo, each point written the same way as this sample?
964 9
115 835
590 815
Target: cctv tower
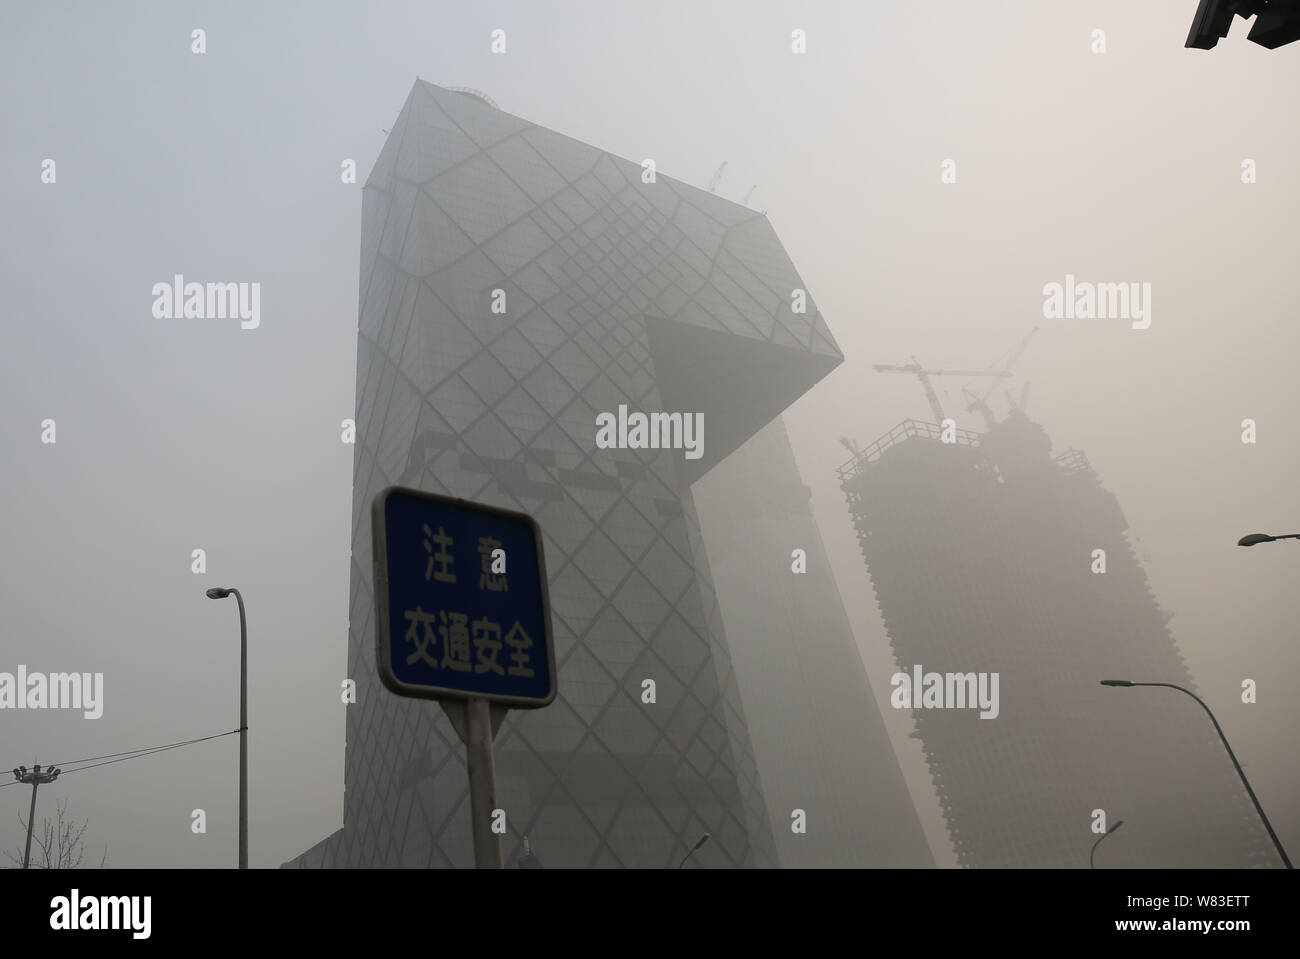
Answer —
515 283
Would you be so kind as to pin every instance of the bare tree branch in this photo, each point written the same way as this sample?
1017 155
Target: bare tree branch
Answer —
57 845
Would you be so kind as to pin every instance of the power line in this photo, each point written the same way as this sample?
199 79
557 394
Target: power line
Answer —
143 749
150 752
128 754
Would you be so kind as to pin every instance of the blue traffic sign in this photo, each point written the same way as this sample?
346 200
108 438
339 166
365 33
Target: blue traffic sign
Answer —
461 600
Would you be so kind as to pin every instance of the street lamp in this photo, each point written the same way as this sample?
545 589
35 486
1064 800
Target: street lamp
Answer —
529 859
218 592
1091 864
1254 538
1231 755
703 840
35 778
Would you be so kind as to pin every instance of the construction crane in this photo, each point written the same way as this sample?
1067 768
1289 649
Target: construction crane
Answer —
981 402
713 183
924 376
745 201
1017 406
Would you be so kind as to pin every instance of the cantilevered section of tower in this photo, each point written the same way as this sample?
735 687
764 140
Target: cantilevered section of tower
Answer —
515 283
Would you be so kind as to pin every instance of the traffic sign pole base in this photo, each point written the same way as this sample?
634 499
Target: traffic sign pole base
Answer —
477 727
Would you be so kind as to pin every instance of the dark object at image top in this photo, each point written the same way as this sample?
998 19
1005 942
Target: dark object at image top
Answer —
1277 22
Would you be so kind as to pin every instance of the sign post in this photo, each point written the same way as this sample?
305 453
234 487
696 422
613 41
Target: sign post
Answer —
482 782
463 617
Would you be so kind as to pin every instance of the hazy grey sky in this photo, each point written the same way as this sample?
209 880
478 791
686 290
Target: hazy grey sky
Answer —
182 434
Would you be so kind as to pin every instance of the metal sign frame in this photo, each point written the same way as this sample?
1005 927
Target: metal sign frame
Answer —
383 636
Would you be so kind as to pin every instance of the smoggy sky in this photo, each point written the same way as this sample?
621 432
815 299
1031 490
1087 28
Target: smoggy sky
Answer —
174 435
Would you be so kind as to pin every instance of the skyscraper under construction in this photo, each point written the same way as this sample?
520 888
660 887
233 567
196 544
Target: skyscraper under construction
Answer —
986 556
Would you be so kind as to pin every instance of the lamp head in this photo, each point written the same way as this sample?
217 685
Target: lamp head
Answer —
216 592
1254 538
1116 682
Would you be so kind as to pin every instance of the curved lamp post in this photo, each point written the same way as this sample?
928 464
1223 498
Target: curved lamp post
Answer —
1093 852
703 840
1244 781
218 592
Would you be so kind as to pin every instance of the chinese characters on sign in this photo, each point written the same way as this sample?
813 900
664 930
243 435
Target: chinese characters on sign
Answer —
455 638
455 622
494 565
440 560
453 629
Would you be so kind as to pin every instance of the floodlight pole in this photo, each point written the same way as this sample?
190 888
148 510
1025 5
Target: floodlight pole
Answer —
31 818
34 777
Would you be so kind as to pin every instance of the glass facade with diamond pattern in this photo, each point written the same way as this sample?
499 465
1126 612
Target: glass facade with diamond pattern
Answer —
514 284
